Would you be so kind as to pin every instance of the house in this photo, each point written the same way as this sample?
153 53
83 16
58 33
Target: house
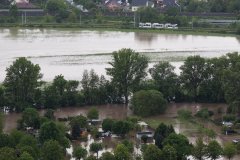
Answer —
113 4
165 4
149 134
24 4
136 4
94 122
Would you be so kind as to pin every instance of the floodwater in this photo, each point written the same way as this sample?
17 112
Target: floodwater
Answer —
122 111
70 51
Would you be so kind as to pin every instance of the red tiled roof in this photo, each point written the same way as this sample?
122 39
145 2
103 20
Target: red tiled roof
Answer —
24 5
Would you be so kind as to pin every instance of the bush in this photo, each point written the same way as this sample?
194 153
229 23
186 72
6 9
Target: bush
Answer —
93 113
148 102
184 114
229 118
204 113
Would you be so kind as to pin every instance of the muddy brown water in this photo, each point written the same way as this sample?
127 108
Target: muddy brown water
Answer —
122 111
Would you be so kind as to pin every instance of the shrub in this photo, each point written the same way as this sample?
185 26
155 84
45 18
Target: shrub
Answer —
229 118
148 102
184 114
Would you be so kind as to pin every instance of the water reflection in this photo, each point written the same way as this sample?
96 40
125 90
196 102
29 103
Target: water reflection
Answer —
62 51
145 37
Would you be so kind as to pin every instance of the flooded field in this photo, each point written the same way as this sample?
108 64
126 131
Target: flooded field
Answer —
70 51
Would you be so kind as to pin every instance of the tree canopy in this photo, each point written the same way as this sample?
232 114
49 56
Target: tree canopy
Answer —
148 102
128 68
21 81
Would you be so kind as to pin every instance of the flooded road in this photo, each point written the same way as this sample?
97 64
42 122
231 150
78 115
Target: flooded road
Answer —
70 51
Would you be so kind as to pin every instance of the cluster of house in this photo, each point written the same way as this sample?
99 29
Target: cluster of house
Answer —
145 130
24 4
113 4
158 25
136 4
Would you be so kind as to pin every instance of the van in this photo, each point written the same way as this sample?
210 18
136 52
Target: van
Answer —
157 25
147 25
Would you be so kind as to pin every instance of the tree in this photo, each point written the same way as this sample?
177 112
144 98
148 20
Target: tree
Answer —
121 153
229 150
49 114
91 157
76 124
79 153
72 92
96 147
214 150
60 84
107 124
169 153
161 133
148 102
129 145
13 10
51 150
5 140
148 14
26 156
56 7
21 81
97 90
199 150
165 79
16 136
30 118
152 152
3 99
180 143
193 74
28 144
1 122
128 68
48 131
107 156
51 98
93 113
7 153
121 127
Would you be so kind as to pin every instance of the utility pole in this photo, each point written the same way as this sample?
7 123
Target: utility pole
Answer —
134 20
22 18
25 17
80 18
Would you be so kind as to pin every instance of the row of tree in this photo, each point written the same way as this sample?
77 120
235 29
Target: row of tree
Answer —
200 80
210 6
